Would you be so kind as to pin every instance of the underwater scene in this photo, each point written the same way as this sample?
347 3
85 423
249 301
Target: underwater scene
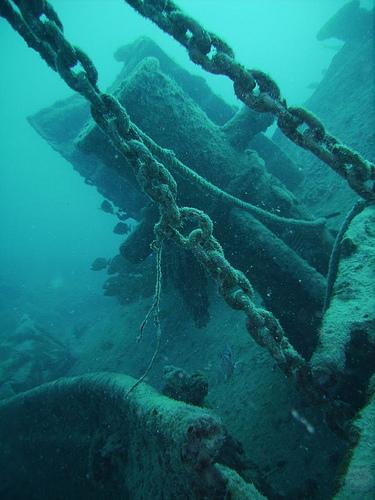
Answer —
187 279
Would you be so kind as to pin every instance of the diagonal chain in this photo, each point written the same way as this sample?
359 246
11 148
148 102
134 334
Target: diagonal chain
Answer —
260 92
39 25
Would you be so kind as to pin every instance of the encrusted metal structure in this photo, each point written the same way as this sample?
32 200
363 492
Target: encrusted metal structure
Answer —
323 377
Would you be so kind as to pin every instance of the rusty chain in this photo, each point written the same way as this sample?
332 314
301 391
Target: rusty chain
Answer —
260 92
37 22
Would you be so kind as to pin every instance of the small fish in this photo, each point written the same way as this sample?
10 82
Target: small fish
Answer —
121 228
227 362
107 207
122 215
99 264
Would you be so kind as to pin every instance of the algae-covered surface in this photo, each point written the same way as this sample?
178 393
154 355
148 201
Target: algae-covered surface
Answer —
358 477
349 323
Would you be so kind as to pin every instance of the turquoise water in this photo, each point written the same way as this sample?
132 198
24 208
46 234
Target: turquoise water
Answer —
57 320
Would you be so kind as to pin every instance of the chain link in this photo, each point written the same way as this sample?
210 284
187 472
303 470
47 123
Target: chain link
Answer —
260 92
37 22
